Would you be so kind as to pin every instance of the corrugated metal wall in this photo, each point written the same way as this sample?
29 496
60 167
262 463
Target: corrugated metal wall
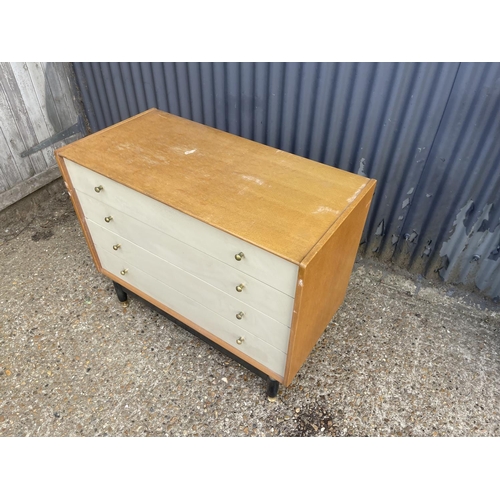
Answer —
37 100
456 208
428 132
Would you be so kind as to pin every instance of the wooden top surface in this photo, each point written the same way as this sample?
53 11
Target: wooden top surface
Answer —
273 199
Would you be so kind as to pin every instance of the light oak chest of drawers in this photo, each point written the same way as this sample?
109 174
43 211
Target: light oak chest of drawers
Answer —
248 246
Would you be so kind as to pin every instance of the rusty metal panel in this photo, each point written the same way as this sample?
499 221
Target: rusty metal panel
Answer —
454 218
390 121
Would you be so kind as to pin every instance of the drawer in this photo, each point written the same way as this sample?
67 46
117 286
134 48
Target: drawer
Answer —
253 320
258 263
252 346
257 294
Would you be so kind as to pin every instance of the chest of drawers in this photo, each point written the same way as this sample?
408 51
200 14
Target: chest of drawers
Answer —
248 246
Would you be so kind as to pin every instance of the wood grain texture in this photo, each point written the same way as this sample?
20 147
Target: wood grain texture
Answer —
44 94
196 327
323 279
278 201
40 122
23 126
9 173
18 169
63 104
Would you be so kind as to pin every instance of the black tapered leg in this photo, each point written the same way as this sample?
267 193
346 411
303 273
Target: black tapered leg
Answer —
120 292
272 388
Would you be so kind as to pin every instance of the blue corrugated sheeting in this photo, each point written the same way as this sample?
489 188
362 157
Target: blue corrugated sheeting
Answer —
428 132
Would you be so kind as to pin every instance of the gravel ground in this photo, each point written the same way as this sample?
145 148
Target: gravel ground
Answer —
402 357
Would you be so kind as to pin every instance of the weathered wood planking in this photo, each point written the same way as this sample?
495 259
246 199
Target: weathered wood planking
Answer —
45 95
56 77
9 173
40 123
20 168
21 117
37 100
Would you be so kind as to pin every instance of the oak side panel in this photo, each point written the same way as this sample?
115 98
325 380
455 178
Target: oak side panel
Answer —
323 280
189 323
78 209
278 201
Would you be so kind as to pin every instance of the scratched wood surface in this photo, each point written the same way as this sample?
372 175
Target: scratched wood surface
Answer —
275 200
37 100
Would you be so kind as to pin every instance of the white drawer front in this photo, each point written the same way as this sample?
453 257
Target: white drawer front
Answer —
256 293
254 321
262 265
256 348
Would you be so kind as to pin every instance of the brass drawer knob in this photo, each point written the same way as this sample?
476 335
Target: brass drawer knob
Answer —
108 218
239 256
240 315
239 288
98 189
117 246
240 340
124 272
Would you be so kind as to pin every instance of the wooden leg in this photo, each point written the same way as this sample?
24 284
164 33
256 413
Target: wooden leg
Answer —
120 292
